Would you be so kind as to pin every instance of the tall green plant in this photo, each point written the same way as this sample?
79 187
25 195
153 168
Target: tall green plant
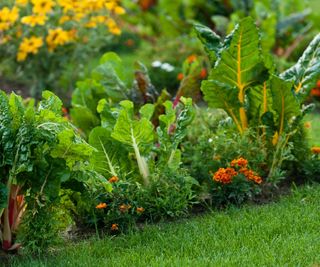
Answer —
39 150
245 84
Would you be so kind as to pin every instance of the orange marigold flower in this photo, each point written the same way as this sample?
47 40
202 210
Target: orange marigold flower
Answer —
318 83
240 162
307 124
224 175
251 175
114 227
101 206
180 76
140 210
64 110
315 150
191 58
124 207
113 179
203 73
315 92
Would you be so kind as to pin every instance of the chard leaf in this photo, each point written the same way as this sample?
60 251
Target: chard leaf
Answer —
146 111
17 110
50 102
239 67
284 102
306 71
72 149
260 101
241 64
108 116
84 118
210 40
137 134
109 156
111 74
167 119
132 132
219 95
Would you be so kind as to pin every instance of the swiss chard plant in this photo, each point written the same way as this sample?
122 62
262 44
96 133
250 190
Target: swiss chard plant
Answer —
128 141
244 82
113 81
39 150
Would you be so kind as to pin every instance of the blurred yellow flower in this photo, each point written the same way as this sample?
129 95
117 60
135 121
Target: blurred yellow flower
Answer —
29 46
64 19
8 17
34 20
42 6
22 2
57 37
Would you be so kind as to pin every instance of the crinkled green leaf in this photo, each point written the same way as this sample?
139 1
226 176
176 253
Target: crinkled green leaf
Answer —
306 71
50 101
210 40
72 149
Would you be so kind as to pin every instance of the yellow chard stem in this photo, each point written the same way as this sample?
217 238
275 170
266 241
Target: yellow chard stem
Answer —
242 112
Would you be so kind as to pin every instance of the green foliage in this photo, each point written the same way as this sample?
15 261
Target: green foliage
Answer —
110 82
243 83
306 71
169 194
40 228
39 151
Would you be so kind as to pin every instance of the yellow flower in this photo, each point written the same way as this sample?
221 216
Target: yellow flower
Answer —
57 37
29 46
21 56
4 26
113 28
119 10
64 19
8 17
34 20
22 2
42 6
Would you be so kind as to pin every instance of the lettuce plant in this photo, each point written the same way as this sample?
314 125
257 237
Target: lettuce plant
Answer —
244 82
39 149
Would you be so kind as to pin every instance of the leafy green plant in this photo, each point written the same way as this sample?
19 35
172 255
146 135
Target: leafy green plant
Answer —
170 194
112 81
244 84
39 151
123 133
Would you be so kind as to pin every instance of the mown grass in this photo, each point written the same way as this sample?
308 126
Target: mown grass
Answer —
278 234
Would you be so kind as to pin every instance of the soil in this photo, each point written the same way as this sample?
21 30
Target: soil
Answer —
10 86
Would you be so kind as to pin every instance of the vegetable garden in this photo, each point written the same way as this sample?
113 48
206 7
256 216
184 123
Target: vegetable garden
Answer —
117 114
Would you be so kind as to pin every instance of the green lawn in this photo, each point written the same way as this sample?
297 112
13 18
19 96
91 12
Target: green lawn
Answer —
278 234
